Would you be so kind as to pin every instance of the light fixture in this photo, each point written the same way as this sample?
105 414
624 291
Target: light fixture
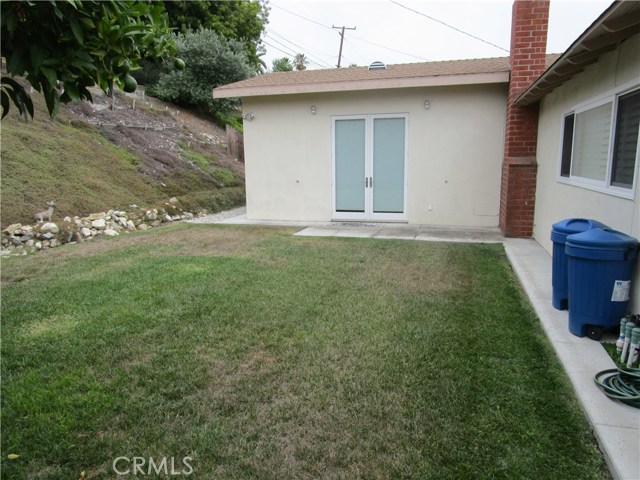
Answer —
314 110
248 116
427 104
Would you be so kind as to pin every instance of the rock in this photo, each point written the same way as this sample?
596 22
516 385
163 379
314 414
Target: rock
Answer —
12 228
16 241
5 241
130 225
85 232
97 216
143 226
5 253
46 244
31 242
48 235
38 245
67 219
49 227
176 218
173 201
99 224
54 243
167 218
26 238
151 214
155 223
122 221
186 216
27 229
110 232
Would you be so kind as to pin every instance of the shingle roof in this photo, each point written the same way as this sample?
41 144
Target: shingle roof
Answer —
450 72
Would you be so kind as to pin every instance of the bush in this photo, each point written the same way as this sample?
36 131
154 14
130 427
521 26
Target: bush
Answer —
211 61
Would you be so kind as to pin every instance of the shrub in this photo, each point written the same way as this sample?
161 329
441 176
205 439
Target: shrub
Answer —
211 61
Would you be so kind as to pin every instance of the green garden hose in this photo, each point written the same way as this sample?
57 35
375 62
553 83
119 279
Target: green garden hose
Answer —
622 384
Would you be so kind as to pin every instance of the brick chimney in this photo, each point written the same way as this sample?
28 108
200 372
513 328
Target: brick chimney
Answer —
529 24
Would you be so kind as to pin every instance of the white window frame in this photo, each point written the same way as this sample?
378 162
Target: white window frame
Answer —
605 186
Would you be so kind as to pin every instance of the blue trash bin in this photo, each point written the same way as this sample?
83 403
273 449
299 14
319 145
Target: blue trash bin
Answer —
559 271
600 268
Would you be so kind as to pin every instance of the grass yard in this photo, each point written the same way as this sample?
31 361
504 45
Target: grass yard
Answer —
262 355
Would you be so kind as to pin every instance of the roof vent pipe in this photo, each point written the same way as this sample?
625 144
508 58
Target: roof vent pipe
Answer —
377 66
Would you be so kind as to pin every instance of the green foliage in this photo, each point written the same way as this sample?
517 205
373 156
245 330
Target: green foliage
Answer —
300 61
63 47
233 118
242 20
211 61
226 177
282 65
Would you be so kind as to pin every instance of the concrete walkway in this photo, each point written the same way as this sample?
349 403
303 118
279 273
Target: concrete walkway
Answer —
616 426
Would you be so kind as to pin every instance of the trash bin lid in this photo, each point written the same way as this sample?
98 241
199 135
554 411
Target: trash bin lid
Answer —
602 244
569 226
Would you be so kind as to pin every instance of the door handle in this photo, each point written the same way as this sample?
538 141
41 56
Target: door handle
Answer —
371 182
366 182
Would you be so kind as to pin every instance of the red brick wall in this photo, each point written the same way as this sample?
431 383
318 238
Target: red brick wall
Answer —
519 167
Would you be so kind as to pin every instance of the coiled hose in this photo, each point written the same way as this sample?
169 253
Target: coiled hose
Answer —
622 384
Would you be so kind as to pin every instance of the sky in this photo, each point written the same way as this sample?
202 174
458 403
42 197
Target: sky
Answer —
387 31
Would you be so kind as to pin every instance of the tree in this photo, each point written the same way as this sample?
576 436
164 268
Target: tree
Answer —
242 20
282 65
300 61
211 61
63 47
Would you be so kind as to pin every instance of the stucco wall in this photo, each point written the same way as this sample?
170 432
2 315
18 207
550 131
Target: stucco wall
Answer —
556 201
455 152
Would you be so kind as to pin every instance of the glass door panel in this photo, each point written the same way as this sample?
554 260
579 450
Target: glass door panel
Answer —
350 157
388 165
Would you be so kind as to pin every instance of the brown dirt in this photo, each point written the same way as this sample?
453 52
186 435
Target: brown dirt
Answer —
154 130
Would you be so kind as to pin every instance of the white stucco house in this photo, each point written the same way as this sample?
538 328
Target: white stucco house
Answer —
589 117
519 142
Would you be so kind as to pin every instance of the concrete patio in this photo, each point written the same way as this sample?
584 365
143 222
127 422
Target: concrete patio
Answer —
615 425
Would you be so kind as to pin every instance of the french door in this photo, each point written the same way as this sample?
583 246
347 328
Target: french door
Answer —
369 167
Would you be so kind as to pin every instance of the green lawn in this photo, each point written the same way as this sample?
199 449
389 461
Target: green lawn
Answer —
263 355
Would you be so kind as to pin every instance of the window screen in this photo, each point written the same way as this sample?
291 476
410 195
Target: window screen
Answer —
626 140
591 143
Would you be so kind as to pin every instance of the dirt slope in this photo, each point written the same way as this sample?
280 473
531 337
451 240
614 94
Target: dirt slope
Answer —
91 158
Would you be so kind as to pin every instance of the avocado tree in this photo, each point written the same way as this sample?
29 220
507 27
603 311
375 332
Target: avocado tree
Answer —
62 47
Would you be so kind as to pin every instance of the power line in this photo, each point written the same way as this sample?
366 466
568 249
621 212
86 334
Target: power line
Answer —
449 26
309 49
319 61
300 16
389 48
293 54
351 36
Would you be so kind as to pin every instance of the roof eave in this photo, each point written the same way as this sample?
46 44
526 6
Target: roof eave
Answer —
619 22
374 84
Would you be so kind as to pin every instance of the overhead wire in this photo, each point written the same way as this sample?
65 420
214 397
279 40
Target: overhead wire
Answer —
350 36
312 58
448 26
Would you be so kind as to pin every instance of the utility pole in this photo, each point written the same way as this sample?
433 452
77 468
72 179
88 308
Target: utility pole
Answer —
342 29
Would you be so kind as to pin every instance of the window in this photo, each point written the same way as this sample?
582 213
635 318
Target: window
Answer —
600 143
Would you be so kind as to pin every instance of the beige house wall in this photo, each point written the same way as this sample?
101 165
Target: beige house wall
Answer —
555 200
454 153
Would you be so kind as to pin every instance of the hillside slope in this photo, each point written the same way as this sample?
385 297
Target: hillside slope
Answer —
91 158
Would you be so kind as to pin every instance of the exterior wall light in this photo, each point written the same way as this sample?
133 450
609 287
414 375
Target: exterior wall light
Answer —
248 116
427 104
314 110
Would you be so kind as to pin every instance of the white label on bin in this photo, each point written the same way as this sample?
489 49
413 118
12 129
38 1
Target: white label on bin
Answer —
621 290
